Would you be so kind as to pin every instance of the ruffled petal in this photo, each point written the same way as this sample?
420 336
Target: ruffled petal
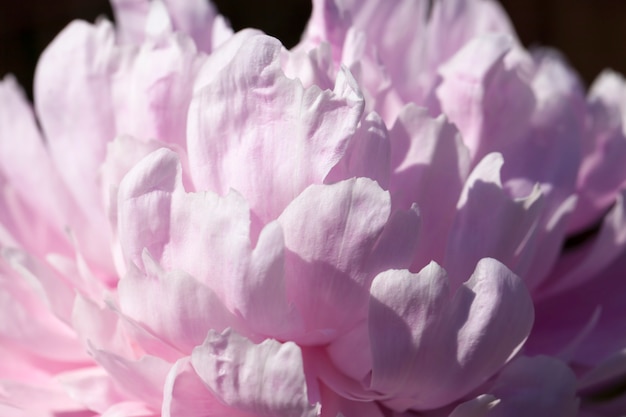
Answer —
602 172
430 165
367 155
174 306
328 274
186 395
509 231
485 96
208 237
273 373
431 347
152 90
256 131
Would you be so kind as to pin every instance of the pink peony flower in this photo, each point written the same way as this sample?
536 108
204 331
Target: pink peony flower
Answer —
407 214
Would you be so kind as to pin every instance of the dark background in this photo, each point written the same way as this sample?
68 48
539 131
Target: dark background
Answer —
591 33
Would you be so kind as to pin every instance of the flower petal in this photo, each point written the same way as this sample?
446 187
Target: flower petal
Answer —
367 154
256 131
174 306
430 165
484 95
75 110
273 374
602 173
508 233
328 274
540 386
186 395
48 204
152 91
208 237
430 347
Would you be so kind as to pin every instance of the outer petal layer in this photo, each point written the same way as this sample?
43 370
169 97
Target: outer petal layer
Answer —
430 347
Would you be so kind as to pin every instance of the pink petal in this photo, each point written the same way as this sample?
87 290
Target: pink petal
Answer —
361 57
54 291
174 306
263 379
129 409
130 18
387 25
122 154
579 265
350 353
453 23
367 155
335 405
508 233
107 328
48 205
430 165
152 92
260 296
312 67
144 205
186 395
408 39
540 386
600 388
251 119
602 173
92 387
138 380
484 95
195 18
328 274
548 155
584 324
74 106
156 214
328 23
431 347
22 400
27 317
75 110
208 237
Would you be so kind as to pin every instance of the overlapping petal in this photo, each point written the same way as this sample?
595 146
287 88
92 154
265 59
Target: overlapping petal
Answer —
200 223
431 346
280 136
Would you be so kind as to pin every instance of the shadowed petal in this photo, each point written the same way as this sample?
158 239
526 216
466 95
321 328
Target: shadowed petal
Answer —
256 131
431 347
264 379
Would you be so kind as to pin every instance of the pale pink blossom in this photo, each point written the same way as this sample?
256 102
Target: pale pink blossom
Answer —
406 214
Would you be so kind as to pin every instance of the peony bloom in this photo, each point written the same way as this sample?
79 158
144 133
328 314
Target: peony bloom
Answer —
407 214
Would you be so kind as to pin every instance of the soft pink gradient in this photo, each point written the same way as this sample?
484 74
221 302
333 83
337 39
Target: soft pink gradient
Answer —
407 214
